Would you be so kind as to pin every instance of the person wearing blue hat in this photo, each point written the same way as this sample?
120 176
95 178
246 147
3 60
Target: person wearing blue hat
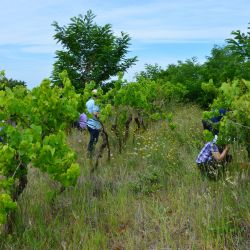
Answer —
213 123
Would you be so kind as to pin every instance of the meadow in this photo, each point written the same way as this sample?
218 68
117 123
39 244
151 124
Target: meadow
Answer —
151 196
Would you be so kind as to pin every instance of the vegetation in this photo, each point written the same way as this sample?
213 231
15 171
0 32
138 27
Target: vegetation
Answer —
226 63
9 83
33 125
235 98
149 197
90 52
240 44
146 193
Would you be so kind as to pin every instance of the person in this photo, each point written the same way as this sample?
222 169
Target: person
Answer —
81 124
1 135
93 123
210 160
213 123
11 122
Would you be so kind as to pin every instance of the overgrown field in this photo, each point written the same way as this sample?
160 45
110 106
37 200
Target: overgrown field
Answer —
149 197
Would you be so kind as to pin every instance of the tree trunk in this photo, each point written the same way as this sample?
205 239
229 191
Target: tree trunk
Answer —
105 144
8 227
114 128
127 124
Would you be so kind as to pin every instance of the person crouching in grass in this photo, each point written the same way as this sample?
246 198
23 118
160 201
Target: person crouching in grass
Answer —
210 161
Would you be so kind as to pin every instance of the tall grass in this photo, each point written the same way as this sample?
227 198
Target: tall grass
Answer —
149 197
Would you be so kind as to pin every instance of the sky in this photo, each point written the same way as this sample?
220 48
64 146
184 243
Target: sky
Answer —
162 32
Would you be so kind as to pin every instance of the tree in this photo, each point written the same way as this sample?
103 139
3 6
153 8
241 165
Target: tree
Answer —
90 52
223 65
188 74
9 83
151 72
240 44
230 61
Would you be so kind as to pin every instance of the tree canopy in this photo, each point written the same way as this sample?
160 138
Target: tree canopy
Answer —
240 44
90 52
9 82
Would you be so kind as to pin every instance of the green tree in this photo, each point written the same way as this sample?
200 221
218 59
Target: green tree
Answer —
240 44
90 52
151 72
188 74
9 83
221 65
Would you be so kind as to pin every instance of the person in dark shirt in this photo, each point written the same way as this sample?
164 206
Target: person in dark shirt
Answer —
213 123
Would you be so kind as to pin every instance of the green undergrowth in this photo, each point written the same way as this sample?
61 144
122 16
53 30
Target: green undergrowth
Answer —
149 197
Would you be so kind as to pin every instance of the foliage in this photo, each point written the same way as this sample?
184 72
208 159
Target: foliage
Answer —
185 212
35 122
224 65
90 52
209 92
151 72
33 125
240 44
148 182
9 83
235 97
187 73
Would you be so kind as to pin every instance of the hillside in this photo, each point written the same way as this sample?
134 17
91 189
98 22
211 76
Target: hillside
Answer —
149 197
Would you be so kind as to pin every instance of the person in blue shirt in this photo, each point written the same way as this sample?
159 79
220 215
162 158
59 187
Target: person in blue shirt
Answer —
210 159
93 123
213 123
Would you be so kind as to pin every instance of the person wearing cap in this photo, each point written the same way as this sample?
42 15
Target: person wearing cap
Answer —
93 123
210 159
213 123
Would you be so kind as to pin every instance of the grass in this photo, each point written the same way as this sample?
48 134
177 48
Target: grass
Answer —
149 197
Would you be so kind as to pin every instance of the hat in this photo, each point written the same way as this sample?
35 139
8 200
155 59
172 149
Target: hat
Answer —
94 91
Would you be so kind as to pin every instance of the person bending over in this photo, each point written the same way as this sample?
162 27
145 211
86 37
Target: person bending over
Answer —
210 161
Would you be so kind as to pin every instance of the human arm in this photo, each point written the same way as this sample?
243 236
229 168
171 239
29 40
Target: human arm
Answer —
96 114
96 111
219 157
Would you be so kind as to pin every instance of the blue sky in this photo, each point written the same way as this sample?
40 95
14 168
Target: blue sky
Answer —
161 31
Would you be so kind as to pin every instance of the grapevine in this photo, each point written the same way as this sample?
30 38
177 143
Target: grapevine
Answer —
33 131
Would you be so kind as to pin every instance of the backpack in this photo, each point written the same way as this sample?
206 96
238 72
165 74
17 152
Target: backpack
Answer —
82 122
